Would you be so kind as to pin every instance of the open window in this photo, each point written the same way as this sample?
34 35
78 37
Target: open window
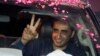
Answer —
79 20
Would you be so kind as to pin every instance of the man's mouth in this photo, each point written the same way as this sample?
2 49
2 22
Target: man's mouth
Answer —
58 40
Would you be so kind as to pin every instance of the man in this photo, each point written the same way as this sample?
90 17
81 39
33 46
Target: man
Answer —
61 39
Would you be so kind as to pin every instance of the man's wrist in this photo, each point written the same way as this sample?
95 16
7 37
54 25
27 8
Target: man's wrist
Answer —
24 41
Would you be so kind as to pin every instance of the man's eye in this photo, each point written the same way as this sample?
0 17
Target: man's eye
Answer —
55 30
64 31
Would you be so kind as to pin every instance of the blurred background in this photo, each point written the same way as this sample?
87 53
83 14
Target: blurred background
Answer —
95 5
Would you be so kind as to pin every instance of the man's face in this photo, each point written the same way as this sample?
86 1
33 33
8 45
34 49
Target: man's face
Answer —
61 33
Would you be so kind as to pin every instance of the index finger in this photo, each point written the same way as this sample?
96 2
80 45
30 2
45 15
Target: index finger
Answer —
32 20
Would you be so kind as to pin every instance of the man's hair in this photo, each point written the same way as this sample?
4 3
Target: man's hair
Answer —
65 21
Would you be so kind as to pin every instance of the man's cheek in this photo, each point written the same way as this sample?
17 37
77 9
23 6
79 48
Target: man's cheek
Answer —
64 36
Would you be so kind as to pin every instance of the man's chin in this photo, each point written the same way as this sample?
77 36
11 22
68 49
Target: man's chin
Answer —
58 45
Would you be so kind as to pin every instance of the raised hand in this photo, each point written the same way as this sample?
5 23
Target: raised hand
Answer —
30 32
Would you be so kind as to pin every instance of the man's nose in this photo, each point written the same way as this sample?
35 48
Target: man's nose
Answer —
59 35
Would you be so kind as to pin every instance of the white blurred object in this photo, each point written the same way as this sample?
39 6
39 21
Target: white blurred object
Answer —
58 53
4 18
10 52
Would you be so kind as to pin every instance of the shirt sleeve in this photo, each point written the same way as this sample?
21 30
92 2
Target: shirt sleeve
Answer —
33 48
17 44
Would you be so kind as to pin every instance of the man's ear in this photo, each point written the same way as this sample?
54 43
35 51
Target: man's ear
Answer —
72 34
